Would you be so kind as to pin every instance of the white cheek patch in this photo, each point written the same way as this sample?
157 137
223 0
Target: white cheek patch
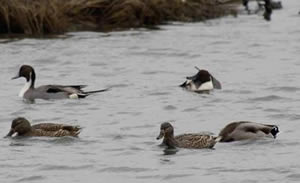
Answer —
73 96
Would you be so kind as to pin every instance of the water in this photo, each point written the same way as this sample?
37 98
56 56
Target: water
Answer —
256 61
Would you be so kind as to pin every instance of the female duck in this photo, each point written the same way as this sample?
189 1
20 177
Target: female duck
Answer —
195 141
22 127
203 81
244 130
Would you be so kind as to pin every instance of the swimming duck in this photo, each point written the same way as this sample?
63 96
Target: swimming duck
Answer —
268 10
244 130
22 127
203 81
29 91
245 3
191 140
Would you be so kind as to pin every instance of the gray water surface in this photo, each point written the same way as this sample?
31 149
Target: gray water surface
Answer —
256 61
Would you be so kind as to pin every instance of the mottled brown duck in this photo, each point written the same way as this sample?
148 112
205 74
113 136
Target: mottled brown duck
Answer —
191 140
245 130
22 127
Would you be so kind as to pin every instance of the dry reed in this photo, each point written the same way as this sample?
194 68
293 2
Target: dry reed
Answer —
39 17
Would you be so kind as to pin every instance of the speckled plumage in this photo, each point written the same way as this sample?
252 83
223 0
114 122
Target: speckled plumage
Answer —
189 140
22 127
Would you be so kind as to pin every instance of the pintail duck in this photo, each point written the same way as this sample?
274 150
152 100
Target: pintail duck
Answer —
22 127
29 91
244 130
203 81
191 140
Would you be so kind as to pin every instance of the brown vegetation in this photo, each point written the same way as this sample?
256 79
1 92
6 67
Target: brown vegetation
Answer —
38 17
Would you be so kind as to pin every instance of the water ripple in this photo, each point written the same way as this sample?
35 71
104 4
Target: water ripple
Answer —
284 89
32 178
65 167
268 98
123 169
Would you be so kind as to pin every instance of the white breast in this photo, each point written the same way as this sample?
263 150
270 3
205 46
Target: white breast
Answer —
25 88
206 86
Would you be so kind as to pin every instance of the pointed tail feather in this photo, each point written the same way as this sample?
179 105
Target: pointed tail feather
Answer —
97 91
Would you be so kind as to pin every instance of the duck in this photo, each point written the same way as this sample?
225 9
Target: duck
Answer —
189 140
268 10
245 3
30 92
202 82
22 127
246 130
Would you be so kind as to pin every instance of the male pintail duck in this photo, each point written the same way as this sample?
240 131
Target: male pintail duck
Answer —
244 130
22 127
192 140
29 91
203 81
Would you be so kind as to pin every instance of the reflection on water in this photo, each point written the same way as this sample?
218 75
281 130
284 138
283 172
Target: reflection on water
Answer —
170 151
256 62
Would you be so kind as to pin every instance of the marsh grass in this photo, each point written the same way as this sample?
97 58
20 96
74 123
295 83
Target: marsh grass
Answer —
40 17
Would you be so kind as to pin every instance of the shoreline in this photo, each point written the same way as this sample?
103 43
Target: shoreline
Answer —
46 17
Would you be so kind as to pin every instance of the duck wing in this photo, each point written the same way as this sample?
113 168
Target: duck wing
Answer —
196 141
216 83
78 87
57 133
56 127
68 90
61 88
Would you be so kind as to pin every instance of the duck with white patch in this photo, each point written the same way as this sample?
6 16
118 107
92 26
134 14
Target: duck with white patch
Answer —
246 130
202 82
29 92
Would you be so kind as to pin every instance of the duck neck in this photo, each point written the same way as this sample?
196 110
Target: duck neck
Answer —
25 131
32 79
170 141
28 85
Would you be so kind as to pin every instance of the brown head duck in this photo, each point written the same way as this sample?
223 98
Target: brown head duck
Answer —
22 127
192 140
30 92
203 81
245 130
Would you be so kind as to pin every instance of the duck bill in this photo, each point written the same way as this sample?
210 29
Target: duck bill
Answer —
16 77
161 135
10 133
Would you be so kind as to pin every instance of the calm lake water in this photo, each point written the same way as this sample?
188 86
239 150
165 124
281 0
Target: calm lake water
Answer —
256 61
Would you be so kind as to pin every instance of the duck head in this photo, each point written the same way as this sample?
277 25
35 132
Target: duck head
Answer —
27 72
274 131
166 130
19 125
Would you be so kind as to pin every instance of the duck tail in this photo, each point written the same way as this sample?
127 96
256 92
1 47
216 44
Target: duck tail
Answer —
97 91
